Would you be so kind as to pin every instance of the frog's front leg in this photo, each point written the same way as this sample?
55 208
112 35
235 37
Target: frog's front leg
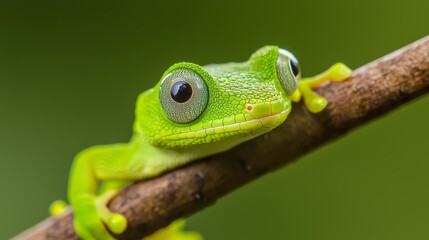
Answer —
314 102
100 163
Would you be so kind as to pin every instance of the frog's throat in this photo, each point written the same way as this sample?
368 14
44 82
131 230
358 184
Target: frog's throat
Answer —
255 117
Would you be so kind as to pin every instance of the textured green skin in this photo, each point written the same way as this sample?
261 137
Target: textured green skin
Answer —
231 87
159 144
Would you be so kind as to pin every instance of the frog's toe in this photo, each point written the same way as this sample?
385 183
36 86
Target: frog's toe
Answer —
117 223
340 72
316 104
57 208
296 96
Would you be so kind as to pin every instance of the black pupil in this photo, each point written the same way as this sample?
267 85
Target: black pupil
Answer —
294 66
181 91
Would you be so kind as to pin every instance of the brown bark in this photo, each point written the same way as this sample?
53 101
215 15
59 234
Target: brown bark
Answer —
371 91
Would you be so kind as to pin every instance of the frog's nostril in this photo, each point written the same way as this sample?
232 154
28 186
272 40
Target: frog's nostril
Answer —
261 110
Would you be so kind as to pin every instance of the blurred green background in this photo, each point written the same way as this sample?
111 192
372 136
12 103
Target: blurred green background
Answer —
70 72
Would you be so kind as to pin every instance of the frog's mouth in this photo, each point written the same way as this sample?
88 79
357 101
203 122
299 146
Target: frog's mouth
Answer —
255 119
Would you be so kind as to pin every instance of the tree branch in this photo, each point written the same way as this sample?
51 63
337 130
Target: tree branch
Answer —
372 90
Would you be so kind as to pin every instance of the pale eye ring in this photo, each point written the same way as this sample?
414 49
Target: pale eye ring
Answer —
183 95
288 71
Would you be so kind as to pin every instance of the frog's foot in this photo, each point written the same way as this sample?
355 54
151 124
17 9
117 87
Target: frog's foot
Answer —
312 100
57 208
174 231
91 214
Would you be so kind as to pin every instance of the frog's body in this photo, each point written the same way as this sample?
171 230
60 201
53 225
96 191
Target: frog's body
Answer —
191 113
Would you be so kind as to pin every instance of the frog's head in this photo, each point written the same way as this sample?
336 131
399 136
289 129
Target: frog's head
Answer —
220 104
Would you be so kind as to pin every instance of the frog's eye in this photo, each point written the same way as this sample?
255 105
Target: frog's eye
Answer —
288 71
183 95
